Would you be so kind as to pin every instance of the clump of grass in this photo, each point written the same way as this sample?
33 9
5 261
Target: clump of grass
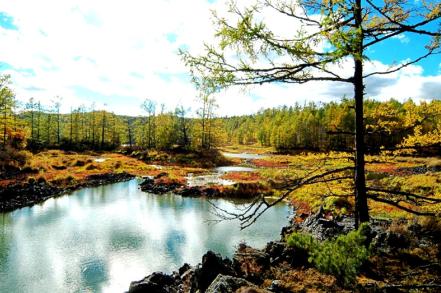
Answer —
79 163
91 167
434 163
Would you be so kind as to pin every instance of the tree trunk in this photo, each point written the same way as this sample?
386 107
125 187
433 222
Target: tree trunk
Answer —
32 122
361 206
103 129
129 128
71 126
48 129
5 123
58 127
38 121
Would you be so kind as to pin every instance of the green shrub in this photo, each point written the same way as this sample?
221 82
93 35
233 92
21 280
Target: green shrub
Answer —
303 242
341 257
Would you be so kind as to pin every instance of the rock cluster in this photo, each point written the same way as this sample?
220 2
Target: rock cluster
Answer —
152 185
250 269
189 279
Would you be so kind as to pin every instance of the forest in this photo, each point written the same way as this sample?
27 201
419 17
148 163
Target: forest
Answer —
406 128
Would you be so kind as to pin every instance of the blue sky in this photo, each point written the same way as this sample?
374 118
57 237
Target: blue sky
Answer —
116 54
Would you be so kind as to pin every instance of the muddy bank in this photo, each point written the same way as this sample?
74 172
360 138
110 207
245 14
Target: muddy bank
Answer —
15 196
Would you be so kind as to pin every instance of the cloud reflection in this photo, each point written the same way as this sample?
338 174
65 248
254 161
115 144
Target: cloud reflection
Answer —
101 239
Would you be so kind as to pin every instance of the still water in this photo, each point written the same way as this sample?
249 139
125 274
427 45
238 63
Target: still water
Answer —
246 156
100 239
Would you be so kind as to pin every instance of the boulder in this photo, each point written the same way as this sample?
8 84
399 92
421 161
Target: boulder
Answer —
155 283
212 265
228 284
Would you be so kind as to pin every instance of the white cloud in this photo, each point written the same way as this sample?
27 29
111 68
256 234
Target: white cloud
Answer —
402 38
100 50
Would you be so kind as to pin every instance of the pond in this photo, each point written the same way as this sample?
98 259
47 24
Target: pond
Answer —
100 239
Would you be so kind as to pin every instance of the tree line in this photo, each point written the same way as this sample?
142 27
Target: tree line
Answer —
311 127
88 128
330 126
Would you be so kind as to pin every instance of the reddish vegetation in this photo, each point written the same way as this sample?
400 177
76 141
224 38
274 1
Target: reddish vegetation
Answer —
303 209
270 164
242 176
383 168
166 180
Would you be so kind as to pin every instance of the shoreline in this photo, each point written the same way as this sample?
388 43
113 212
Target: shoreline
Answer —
26 194
249 268
281 267
20 195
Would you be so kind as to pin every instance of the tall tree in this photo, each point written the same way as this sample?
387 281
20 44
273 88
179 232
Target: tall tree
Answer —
206 113
57 105
325 34
183 126
30 107
103 127
150 107
7 103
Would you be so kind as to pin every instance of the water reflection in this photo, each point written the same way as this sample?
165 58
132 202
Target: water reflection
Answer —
226 169
247 156
93 274
100 239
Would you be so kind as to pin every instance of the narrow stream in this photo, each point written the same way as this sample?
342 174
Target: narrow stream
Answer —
215 177
100 239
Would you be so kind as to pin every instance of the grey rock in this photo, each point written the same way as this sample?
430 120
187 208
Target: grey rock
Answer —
154 283
228 284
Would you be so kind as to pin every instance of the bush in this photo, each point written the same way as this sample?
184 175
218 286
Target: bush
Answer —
303 242
79 163
13 159
341 257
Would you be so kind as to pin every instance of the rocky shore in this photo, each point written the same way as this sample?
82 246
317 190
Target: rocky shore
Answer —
248 271
281 268
15 196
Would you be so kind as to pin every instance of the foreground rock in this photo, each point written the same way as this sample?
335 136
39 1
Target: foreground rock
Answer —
227 284
16 196
155 283
187 279
402 259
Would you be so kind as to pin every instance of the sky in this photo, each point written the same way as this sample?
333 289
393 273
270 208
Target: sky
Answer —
115 54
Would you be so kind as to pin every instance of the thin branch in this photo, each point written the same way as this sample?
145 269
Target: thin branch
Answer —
397 205
250 215
431 52
403 193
